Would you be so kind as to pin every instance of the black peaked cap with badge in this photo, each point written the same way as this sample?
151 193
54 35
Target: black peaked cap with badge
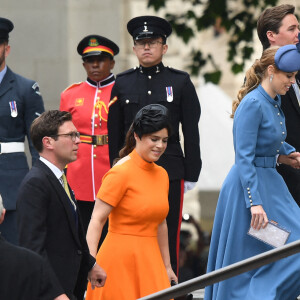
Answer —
145 27
6 26
92 45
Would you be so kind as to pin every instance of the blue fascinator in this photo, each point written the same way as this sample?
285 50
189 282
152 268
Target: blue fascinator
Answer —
287 58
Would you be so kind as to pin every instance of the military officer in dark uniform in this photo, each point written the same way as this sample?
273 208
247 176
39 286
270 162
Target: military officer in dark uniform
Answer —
20 104
152 82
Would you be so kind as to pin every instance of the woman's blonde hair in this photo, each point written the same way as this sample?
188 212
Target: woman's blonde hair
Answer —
255 75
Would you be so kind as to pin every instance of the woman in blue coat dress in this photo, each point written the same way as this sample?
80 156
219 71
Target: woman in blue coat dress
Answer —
253 192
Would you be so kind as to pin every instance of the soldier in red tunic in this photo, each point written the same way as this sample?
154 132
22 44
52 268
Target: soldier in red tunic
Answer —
88 103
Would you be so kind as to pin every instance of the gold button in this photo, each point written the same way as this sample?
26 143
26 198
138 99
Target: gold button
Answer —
127 101
95 146
96 116
250 196
278 114
280 123
282 142
248 189
149 77
248 192
276 106
95 155
99 91
96 125
282 132
149 92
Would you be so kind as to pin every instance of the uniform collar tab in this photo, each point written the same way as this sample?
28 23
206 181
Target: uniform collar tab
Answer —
152 70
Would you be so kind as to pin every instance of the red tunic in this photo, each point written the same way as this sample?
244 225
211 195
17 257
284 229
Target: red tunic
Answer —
88 103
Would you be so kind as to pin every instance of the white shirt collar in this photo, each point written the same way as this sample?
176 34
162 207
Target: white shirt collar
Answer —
56 171
297 92
2 73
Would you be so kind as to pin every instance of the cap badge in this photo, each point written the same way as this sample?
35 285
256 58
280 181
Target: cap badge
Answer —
93 42
169 91
145 27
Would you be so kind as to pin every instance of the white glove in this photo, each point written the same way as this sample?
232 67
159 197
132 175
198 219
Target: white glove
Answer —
188 185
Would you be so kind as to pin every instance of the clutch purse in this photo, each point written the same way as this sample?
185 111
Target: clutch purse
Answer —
273 234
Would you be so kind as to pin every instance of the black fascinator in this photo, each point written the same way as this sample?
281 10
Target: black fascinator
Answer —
151 118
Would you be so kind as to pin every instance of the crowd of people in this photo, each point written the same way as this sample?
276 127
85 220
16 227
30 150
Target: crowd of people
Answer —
98 215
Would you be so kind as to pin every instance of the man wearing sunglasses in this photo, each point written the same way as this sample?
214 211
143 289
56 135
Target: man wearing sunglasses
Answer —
49 222
149 83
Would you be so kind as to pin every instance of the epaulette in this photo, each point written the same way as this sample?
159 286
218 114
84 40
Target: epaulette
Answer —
176 70
73 85
127 71
112 101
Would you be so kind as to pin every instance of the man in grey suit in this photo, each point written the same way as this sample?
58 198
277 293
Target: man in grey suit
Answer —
48 219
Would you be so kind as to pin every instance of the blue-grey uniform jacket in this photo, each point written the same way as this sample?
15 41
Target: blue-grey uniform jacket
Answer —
20 103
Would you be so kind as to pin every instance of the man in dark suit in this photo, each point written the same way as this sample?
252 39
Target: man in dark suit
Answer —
31 280
48 219
152 82
278 26
20 104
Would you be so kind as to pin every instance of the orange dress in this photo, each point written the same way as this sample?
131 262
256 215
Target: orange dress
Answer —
130 253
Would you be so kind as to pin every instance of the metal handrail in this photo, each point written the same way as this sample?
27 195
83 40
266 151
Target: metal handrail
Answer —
226 272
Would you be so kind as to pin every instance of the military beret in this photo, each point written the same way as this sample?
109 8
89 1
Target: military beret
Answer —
287 58
6 26
97 45
148 27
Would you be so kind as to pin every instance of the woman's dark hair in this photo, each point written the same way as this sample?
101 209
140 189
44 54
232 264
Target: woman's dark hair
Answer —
149 119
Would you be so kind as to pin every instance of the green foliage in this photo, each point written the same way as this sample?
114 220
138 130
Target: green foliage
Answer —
235 17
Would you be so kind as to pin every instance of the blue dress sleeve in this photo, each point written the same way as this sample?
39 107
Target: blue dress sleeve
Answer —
286 149
247 121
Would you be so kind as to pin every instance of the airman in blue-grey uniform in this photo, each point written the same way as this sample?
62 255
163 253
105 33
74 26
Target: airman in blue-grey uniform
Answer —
20 103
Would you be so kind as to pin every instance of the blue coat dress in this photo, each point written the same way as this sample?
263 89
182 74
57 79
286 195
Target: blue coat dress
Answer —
259 133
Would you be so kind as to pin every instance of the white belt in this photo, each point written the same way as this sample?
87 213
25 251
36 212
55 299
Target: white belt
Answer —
11 147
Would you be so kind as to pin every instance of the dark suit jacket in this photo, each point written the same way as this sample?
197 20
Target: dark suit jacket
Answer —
23 274
291 109
172 88
47 225
29 104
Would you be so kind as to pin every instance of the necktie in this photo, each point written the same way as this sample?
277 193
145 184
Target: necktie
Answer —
65 183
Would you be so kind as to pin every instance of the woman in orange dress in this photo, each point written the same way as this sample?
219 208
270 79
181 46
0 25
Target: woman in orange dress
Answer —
134 194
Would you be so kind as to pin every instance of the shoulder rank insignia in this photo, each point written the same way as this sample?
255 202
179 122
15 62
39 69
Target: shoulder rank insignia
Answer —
72 85
112 101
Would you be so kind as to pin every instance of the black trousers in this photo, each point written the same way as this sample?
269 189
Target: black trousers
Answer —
86 210
174 220
291 177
